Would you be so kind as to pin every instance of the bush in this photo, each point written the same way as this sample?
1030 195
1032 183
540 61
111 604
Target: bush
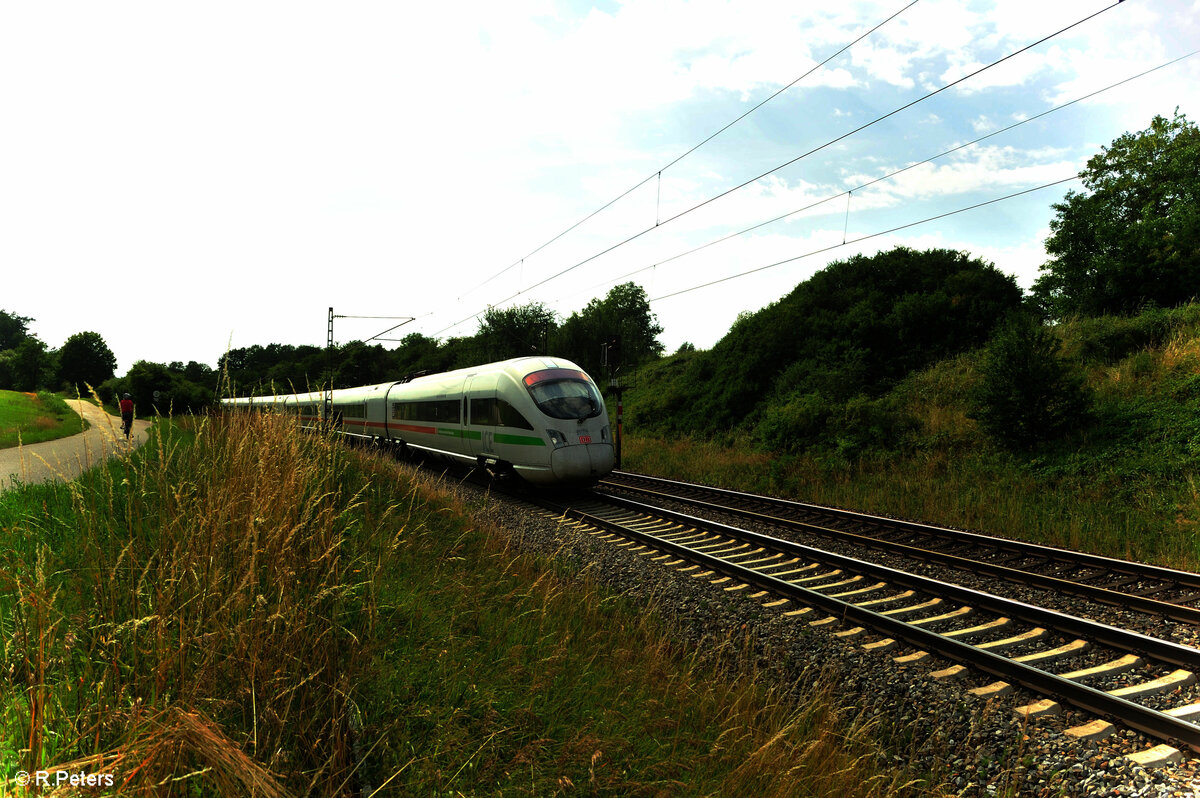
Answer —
1028 394
864 423
812 419
1107 339
794 425
857 327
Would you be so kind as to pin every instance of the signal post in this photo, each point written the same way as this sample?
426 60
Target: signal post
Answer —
610 356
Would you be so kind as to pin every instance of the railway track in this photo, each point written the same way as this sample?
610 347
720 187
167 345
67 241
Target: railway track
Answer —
1122 677
1163 592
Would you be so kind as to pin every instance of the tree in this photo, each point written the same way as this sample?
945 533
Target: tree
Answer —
514 332
358 363
30 365
13 329
176 393
624 313
418 353
201 374
1134 238
85 360
144 379
1028 394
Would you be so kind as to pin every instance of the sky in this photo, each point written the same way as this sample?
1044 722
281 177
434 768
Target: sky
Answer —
185 178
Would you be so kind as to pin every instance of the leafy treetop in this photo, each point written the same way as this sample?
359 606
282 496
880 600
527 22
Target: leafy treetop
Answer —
1134 239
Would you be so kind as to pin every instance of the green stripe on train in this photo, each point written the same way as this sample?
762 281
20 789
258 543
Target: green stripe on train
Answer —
519 440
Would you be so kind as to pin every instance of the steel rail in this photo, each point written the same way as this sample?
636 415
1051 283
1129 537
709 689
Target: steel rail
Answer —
1185 579
1137 716
1152 606
1135 642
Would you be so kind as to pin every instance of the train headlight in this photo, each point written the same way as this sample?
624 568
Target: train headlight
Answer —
557 438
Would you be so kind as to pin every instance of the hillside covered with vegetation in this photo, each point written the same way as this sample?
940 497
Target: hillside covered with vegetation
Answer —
816 364
1121 478
923 384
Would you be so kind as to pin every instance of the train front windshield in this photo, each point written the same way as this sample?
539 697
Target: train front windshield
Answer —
564 393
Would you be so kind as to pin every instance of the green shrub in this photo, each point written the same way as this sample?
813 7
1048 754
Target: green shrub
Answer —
1027 393
798 423
863 423
1107 339
812 420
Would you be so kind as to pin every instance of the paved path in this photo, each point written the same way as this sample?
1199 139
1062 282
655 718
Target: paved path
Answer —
67 458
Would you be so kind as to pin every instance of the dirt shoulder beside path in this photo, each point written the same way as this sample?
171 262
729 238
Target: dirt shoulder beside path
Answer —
67 458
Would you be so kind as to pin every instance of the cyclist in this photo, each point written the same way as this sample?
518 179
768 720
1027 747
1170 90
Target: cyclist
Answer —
126 415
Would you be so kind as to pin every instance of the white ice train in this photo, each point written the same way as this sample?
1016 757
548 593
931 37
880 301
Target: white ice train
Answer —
540 417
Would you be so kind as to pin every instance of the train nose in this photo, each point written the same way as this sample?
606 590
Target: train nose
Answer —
582 462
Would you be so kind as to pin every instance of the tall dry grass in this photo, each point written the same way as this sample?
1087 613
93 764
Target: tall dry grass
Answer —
199 615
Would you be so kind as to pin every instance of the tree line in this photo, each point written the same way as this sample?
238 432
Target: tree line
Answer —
533 329
28 364
85 362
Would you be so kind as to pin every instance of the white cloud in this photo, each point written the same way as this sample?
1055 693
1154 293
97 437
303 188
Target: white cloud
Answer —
982 169
982 124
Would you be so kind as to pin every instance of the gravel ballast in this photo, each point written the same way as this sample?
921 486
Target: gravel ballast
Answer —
975 746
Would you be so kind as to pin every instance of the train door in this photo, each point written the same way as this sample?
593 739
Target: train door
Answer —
480 396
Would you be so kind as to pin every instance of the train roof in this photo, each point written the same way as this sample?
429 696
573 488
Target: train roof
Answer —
519 367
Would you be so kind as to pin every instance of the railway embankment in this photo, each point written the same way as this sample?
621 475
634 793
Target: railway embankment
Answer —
239 609
920 707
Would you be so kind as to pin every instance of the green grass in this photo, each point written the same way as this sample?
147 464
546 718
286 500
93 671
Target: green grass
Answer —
979 491
32 418
207 614
1128 508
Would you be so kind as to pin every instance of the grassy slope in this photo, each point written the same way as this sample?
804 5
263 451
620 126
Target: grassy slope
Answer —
206 616
1128 485
33 418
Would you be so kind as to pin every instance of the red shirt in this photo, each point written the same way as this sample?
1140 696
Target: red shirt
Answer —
126 405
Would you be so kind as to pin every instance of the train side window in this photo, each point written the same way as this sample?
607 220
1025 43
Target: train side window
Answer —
481 413
493 412
444 411
510 416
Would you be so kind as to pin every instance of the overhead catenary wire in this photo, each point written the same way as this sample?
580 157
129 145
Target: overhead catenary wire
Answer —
378 336
658 173
896 172
792 161
866 238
